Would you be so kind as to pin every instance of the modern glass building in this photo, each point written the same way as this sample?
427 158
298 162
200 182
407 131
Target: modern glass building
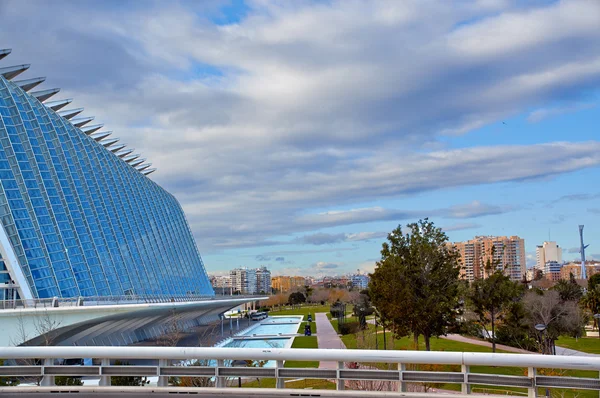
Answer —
79 214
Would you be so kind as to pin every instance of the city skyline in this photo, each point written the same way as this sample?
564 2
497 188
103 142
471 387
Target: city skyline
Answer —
297 136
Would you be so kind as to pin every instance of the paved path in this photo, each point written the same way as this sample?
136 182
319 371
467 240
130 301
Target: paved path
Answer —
327 338
559 350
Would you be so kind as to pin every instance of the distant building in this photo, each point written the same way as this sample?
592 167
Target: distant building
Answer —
243 280
547 252
360 281
286 283
263 280
552 270
506 253
591 267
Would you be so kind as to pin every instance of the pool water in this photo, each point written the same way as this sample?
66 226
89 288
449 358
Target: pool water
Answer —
282 319
267 343
265 329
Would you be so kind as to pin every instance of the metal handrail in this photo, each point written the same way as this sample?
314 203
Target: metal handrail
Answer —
219 361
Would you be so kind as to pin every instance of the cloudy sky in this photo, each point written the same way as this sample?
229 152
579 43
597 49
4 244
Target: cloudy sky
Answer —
297 134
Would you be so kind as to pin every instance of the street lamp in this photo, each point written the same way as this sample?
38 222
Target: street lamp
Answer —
597 318
540 327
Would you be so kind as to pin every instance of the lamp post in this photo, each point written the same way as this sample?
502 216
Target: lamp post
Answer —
542 328
597 318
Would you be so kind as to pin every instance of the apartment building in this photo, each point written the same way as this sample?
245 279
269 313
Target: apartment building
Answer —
547 252
502 252
287 283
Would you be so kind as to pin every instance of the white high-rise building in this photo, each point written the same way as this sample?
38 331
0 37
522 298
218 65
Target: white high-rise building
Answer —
263 280
547 252
243 280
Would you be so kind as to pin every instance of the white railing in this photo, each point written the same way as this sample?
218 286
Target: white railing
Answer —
406 369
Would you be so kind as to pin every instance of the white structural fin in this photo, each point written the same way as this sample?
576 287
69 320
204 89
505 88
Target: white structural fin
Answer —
70 113
56 105
100 135
4 52
109 142
10 72
143 166
130 158
91 129
137 162
82 121
45 94
148 171
124 152
28 84
117 148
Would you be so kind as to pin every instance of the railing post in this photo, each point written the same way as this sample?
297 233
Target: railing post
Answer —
47 381
280 382
465 387
220 379
104 380
338 381
163 381
531 391
402 384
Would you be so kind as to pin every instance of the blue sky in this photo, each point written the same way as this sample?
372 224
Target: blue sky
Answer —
298 134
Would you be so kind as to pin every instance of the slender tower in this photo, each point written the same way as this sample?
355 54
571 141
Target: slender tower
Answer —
582 251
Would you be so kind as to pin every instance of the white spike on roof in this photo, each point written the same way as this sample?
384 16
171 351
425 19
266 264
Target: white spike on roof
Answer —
45 94
70 113
117 148
28 84
56 105
10 72
4 52
90 129
109 142
143 166
100 135
149 171
137 162
82 121
123 153
130 158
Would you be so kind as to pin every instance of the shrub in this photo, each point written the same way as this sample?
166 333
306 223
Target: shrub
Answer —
348 328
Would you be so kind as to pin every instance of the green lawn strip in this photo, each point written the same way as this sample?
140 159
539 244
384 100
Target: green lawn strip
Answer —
313 328
315 384
304 310
584 344
303 342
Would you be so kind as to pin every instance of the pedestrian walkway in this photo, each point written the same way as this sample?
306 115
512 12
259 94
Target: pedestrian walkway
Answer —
327 338
469 340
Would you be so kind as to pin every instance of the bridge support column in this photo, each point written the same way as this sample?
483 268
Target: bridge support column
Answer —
47 381
280 383
339 382
220 379
163 381
465 387
532 391
104 380
401 384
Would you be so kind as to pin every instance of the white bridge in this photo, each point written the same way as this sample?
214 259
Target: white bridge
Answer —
106 321
219 366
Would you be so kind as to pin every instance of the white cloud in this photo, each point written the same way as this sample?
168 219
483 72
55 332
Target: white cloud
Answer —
544 113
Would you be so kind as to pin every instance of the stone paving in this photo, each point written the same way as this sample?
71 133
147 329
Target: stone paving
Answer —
327 338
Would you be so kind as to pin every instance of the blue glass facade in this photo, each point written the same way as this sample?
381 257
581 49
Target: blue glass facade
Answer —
80 220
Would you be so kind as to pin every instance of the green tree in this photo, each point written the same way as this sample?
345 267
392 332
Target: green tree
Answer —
591 301
134 381
593 281
296 298
8 381
489 297
415 284
569 290
68 381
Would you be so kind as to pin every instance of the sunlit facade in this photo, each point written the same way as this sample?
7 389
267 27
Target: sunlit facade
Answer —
79 215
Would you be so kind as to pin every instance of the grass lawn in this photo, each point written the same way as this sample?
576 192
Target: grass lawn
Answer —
585 344
314 384
303 342
304 310
313 328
